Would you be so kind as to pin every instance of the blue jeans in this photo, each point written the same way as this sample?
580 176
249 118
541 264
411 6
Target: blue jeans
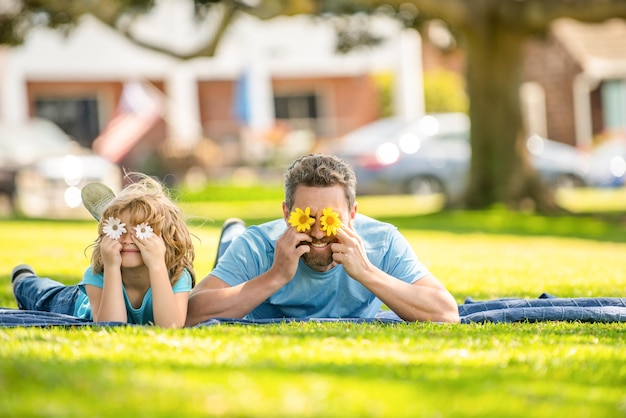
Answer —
44 294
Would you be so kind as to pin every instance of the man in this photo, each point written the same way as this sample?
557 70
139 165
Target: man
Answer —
275 270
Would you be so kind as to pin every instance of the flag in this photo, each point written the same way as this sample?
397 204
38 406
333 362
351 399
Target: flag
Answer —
138 110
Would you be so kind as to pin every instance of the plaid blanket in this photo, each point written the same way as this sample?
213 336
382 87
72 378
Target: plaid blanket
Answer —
544 308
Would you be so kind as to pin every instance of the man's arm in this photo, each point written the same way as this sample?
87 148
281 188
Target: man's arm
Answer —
214 298
424 300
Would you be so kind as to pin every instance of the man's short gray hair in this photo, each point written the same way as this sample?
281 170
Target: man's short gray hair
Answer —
320 170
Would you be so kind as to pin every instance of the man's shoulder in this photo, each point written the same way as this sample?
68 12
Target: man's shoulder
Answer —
377 235
364 223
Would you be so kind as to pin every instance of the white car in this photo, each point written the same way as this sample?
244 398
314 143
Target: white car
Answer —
607 165
45 170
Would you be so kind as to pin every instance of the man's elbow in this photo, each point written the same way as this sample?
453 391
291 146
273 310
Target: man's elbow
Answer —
194 316
190 321
451 316
441 314
438 316
194 319
449 312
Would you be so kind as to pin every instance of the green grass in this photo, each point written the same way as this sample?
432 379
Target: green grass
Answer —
338 370
544 369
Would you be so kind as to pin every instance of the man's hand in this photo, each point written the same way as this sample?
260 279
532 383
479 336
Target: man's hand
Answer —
350 253
288 252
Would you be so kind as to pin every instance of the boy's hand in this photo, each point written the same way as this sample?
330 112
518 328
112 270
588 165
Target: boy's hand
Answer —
111 250
152 250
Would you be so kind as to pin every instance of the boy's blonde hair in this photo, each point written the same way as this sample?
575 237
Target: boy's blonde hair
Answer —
147 200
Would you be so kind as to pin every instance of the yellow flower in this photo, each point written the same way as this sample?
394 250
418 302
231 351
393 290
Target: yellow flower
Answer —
330 222
301 219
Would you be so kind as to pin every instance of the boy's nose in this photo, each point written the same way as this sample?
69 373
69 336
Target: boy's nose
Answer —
126 237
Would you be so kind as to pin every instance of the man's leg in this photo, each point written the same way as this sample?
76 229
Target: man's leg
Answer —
232 228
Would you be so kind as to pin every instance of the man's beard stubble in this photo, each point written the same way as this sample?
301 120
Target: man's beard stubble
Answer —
319 261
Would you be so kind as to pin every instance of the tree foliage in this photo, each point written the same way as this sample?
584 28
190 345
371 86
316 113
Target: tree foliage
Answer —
491 32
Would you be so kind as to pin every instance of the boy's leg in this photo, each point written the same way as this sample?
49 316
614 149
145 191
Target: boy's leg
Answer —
43 294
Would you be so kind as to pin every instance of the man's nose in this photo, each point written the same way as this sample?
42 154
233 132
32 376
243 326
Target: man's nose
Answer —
316 232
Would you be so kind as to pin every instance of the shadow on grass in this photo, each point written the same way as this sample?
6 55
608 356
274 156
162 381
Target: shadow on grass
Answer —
601 227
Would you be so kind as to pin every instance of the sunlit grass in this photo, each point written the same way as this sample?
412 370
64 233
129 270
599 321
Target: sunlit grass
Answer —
486 266
318 370
338 369
241 203
215 212
593 200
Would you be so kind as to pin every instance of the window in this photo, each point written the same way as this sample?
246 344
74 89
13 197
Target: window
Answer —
77 116
614 104
300 111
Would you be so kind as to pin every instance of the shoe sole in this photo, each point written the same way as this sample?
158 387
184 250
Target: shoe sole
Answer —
95 197
21 269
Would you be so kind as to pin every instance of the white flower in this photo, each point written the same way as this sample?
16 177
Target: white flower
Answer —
114 228
143 230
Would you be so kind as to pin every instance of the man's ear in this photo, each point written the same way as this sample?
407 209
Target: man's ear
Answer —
285 211
354 210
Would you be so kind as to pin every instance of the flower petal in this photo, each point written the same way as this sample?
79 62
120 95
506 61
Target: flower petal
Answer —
301 219
330 222
143 231
114 228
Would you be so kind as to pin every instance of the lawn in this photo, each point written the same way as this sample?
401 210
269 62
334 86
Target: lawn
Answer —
544 369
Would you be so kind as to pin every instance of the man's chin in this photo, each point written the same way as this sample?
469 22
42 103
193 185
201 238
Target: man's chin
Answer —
318 262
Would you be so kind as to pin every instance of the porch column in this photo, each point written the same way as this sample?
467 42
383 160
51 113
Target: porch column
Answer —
583 86
13 91
409 86
257 98
182 112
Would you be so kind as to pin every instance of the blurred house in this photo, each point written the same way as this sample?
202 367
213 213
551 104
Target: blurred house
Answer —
274 89
278 88
574 88
576 81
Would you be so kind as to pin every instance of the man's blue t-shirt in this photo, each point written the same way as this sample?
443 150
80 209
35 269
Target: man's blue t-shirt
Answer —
142 315
311 294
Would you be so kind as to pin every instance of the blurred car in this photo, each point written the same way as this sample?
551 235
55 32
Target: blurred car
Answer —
432 155
607 163
43 170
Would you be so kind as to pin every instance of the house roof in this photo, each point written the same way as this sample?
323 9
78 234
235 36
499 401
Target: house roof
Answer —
599 48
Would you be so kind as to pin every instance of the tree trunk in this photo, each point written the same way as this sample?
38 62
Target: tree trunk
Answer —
499 172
